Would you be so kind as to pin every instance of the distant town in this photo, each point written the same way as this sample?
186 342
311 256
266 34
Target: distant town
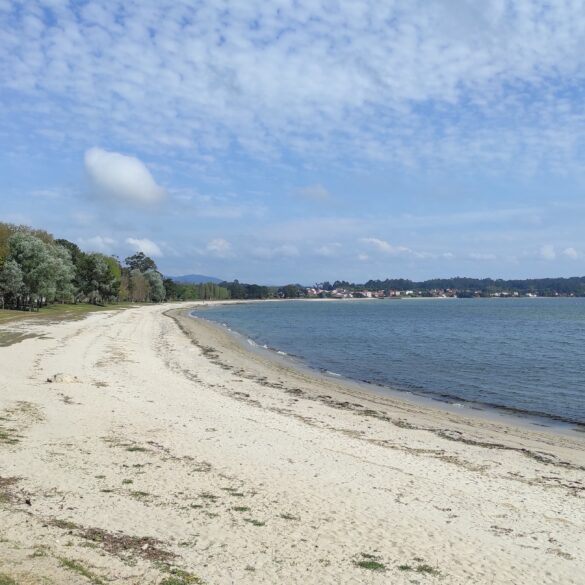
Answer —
458 287
343 293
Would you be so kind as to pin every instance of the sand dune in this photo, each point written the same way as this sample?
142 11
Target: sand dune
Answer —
142 447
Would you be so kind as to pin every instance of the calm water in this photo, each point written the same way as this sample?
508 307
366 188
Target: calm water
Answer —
523 354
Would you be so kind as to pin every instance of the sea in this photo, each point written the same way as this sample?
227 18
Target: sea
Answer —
522 355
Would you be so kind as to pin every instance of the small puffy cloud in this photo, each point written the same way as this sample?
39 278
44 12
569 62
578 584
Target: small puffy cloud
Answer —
97 244
121 177
363 257
219 247
145 245
548 252
315 193
384 247
571 253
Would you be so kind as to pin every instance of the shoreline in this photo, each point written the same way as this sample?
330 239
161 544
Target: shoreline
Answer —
450 403
232 352
145 446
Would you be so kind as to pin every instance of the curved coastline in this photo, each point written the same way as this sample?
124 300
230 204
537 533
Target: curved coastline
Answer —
450 403
485 427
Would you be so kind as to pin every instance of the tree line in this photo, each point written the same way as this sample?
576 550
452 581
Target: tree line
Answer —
541 286
36 269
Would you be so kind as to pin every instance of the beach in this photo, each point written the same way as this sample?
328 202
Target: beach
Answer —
144 446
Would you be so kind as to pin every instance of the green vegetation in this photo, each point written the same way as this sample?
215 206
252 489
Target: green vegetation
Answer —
180 577
255 522
176 291
36 270
78 568
370 562
470 286
6 580
240 290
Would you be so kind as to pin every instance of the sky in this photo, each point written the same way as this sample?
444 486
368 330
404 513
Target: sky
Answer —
300 141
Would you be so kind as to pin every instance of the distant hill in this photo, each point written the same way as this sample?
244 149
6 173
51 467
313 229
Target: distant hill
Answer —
195 279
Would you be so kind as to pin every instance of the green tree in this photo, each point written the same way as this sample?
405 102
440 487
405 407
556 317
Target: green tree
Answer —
156 287
34 260
11 282
141 262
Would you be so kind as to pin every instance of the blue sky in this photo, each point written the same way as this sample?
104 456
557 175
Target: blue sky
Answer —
301 140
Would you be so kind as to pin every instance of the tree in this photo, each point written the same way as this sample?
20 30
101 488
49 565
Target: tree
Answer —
97 281
64 274
290 291
156 287
138 286
34 260
11 283
141 262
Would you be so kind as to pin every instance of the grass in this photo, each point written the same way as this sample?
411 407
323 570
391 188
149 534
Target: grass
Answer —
9 436
287 516
78 568
427 569
139 494
255 522
241 509
233 492
422 568
180 577
59 312
6 580
370 562
208 496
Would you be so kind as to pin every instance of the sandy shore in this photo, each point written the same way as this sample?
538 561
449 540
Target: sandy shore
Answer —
164 452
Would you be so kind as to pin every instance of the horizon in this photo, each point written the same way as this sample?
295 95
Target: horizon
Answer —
291 143
354 282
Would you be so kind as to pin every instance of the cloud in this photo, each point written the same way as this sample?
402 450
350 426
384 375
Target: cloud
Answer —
571 253
219 248
145 245
102 244
121 177
385 247
548 252
407 82
315 193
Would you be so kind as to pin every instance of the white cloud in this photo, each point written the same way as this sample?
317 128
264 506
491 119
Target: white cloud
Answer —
363 257
121 177
145 245
571 253
481 256
102 244
219 248
323 78
384 247
548 252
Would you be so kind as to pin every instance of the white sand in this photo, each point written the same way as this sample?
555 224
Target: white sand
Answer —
165 438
